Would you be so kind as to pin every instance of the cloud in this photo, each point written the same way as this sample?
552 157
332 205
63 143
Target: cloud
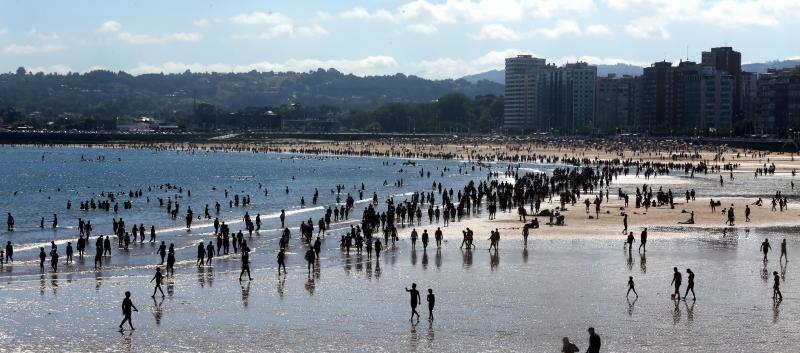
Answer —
496 32
422 28
720 13
442 68
3 31
560 29
55 69
260 18
32 49
646 28
598 30
110 26
370 65
459 11
324 15
165 38
286 31
43 36
593 60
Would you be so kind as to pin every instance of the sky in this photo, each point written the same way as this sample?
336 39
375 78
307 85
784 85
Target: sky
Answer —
429 38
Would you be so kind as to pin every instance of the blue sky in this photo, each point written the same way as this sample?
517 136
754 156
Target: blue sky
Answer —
429 38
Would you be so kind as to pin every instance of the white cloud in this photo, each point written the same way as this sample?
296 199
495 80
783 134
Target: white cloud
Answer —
370 65
722 13
483 11
261 18
598 30
442 68
422 28
203 22
43 36
110 26
32 49
646 28
559 29
496 32
286 31
56 69
3 31
165 38
562 28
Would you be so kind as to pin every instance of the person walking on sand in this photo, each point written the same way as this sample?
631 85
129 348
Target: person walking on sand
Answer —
625 224
415 299
281 262
631 287
776 287
310 258
158 278
783 251
629 241
676 280
594 341
127 306
765 248
245 266
689 284
431 302
643 240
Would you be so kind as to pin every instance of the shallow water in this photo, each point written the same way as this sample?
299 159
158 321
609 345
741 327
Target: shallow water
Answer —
511 300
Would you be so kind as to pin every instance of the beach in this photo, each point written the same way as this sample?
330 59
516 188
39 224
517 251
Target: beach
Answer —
513 299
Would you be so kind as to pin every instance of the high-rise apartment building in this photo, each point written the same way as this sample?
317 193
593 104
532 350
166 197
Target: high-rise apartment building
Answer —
617 103
778 101
523 91
728 60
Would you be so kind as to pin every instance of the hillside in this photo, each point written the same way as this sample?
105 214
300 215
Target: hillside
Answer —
104 93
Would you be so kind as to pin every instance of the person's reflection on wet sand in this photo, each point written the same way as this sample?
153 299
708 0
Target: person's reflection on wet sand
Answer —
414 337
310 286
466 257
525 255
413 257
171 287
281 284
377 270
126 340
245 292
494 259
430 333
676 313
631 305
629 261
98 280
783 270
643 263
201 276
54 282
157 310
210 276
689 310
765 273
42 284
439 258
424 259
776 310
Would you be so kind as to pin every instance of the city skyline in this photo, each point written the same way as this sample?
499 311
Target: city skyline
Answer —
431 39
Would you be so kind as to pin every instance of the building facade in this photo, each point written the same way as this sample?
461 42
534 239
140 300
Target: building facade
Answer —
778 101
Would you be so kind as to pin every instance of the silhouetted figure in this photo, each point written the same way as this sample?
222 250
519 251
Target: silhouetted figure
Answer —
568 347
594 341
765 248
127 306
631 287
310 258
676 280
281 261
643 240
776 286
431 303
783 251
689 284
245 265
158 278
415 299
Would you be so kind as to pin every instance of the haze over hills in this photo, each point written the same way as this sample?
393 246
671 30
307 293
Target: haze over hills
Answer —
498 76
